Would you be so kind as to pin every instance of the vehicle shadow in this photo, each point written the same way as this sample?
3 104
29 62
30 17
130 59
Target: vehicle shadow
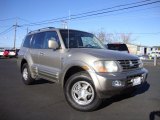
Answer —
154 114
42 81
3 58
139 90
8 57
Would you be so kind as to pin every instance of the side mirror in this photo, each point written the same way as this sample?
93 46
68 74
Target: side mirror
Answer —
52 44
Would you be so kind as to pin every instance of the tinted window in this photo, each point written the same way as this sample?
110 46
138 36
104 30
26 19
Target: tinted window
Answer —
38 40
79 39
51 35
27 41
119 47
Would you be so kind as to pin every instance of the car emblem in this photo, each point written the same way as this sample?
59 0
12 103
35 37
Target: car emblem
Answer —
131 64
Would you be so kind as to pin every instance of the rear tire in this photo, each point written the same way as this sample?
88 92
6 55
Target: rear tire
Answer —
80 92
26 75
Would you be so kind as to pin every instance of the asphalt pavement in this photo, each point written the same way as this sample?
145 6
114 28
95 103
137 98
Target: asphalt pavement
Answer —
45 100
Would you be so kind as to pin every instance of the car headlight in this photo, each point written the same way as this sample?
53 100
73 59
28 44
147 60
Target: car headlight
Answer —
106 66
140 63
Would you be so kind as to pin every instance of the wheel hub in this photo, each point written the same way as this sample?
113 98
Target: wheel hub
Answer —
82 93
25 74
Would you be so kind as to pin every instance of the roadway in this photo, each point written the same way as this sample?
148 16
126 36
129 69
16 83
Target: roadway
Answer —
45 100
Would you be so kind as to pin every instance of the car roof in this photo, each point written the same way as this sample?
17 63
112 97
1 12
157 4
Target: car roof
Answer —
115 43
49 29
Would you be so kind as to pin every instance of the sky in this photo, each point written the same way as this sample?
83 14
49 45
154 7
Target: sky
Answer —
142 22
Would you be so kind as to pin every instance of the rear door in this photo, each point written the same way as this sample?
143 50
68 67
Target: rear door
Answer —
36 46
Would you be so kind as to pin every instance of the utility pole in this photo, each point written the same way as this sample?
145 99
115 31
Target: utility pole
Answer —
64 24
15 32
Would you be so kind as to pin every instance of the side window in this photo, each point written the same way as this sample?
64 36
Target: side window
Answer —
27 40
50 35
37 41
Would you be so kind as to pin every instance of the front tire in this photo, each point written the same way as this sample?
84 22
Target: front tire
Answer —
80 92
26 75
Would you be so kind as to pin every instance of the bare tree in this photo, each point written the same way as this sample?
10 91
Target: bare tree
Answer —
126 38
114 37
122 37
103 36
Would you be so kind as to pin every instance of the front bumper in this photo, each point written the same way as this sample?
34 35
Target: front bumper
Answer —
127 79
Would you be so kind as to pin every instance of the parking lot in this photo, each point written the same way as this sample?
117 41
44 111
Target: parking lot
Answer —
45 101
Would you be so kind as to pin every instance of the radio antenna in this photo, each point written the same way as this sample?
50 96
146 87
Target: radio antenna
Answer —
69 17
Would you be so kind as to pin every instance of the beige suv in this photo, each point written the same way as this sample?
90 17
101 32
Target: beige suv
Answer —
77 60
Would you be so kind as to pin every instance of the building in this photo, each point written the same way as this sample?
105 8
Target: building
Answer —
141 50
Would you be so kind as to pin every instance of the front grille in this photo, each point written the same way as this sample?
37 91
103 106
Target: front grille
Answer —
129 64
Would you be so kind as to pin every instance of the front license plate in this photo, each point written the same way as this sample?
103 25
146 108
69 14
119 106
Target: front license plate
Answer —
136 81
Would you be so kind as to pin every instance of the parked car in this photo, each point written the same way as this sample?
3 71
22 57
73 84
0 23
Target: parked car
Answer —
1 52
117 46
5 53
153 54
77 60
17 50
9 53
143 57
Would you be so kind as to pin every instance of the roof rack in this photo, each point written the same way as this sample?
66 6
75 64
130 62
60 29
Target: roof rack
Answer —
41 29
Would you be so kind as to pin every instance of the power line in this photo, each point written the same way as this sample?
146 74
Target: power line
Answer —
15 18
142 33
154 33
62 18
91 13
126 8
36 24
46 21
122 5
5 26
122 12
8 19
86 14
22 19
7 30
95 13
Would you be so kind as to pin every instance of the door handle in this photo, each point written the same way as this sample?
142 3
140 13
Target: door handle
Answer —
41 53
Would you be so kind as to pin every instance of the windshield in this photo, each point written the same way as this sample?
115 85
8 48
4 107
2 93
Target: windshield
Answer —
78 39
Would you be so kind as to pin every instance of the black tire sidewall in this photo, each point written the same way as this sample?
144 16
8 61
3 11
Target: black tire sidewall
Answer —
82 76
29 81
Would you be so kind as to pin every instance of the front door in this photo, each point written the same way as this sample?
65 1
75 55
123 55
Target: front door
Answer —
49 59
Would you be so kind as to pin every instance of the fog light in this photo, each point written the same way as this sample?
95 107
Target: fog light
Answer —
143 77
117 83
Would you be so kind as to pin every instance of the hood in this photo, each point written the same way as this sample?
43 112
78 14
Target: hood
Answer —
104 54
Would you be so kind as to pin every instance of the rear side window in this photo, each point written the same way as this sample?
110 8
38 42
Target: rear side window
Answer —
38 40
27 41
